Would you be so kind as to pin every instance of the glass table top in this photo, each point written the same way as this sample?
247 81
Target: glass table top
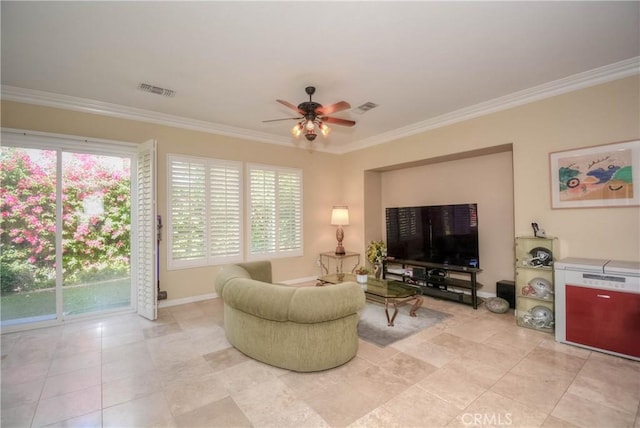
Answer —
387 289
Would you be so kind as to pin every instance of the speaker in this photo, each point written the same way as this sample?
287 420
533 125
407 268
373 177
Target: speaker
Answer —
507 290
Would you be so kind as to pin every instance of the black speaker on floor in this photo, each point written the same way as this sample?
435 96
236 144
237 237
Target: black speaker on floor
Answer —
507 290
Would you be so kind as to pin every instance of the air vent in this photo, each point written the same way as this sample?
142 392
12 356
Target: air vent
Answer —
364 107
156 90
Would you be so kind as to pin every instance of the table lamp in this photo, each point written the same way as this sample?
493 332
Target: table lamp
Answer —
340 217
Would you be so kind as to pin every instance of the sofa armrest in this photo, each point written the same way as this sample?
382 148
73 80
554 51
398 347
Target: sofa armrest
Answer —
330 302
227 274
260 271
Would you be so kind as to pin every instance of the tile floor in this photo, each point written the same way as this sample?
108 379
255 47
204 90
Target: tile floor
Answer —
474 369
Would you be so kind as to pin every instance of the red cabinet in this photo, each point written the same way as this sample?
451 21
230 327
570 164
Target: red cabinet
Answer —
603 319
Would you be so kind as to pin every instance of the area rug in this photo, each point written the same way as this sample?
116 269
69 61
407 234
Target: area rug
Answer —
373 328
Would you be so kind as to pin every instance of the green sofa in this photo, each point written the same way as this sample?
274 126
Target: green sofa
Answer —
297 328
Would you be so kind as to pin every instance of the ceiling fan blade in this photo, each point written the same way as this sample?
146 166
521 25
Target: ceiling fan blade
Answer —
291 106
338 121
286 118
339 106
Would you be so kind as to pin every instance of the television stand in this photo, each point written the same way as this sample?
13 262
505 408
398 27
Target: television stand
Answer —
462 287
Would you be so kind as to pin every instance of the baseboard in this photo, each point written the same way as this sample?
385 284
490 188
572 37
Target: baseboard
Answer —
184 300
485 294
201 297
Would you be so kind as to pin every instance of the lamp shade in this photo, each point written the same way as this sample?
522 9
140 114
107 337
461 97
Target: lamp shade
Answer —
340 216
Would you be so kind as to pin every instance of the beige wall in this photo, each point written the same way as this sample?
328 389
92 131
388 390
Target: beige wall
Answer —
486 180
597 115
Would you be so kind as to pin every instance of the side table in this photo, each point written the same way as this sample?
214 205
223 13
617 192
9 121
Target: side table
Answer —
329 258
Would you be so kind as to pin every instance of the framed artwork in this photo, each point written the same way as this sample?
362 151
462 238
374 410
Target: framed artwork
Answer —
599 176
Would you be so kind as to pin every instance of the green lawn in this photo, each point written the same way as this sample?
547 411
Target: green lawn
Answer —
77 299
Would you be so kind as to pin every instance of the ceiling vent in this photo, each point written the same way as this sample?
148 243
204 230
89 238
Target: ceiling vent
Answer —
156 90
364 107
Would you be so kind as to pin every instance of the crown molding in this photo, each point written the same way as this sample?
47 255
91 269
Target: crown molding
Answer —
597 76
48 99
586 79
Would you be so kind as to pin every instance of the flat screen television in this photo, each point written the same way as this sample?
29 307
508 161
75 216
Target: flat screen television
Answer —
443 234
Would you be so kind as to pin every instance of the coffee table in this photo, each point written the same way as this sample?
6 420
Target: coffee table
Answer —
389 292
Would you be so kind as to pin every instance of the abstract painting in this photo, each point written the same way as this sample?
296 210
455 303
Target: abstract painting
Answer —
598 176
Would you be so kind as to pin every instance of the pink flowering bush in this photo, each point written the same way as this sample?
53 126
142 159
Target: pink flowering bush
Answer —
95 220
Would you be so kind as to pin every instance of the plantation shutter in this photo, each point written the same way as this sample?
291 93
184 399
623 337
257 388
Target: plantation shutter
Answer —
146 242
187 212
205 212
290 211
225 207
262 203
275 212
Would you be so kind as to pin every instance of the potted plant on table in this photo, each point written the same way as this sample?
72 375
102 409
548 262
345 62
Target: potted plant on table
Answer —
361 274
376 253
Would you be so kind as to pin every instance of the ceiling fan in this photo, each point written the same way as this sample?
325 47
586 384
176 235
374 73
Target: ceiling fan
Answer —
314 115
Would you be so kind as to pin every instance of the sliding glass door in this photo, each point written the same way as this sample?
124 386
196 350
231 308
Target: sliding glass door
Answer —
96 233
28 233
72 240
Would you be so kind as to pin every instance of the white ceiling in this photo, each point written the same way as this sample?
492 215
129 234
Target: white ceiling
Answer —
424 63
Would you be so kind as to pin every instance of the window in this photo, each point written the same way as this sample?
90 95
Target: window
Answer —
275 211
204 212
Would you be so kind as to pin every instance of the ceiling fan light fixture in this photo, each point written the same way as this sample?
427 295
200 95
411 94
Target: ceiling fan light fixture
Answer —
310 125
297 130
312 116
324 129
310 135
